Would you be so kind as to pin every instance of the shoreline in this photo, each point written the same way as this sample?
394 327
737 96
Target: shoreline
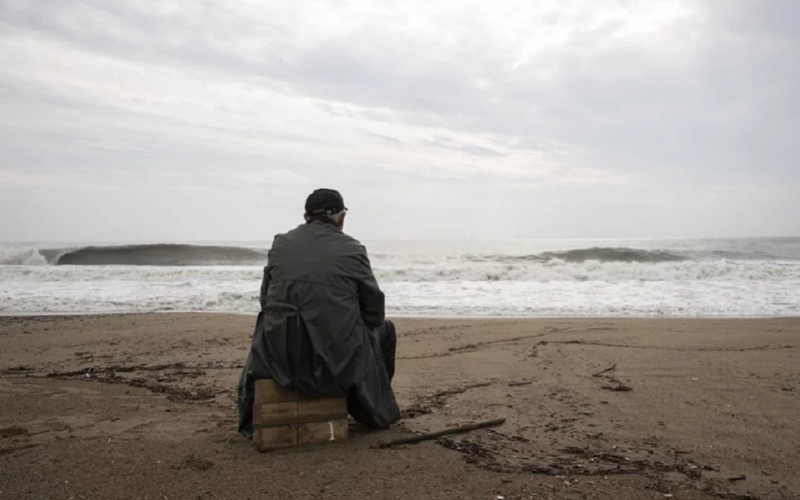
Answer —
391 317
105 405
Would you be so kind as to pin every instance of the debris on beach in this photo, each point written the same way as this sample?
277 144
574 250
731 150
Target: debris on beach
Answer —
520 383
433 435
12 431
427 404
616 385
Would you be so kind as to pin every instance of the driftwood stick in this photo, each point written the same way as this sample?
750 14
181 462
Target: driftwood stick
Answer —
620 387
601 372
434 435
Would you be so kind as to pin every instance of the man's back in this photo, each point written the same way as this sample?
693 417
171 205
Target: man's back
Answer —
324 277
317 266
321 330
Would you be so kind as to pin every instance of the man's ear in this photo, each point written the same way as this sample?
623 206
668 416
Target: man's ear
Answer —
341 221
305 216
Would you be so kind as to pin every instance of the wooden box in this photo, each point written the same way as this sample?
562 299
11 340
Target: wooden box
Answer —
283 418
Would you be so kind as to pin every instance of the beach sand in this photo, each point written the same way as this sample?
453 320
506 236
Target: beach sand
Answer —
143 406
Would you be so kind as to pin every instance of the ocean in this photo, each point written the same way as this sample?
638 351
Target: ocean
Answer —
755 277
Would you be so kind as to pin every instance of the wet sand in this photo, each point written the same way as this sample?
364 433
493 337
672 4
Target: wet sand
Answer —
143 406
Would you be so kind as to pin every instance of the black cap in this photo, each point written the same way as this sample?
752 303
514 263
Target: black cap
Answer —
323 201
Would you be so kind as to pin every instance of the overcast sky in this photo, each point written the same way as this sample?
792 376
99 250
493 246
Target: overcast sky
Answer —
133 120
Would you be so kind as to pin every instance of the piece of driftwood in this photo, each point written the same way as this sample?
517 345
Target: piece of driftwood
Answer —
517 384
601 372
445 432
618 388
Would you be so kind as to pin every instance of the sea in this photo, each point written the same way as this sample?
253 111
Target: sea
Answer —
753 277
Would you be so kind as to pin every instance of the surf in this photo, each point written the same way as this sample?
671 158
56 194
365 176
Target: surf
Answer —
162 255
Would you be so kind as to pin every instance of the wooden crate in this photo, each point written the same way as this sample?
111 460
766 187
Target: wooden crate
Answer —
282 418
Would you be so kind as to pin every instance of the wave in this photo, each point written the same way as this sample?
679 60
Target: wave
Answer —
161 255
594 271
600 254
212 255
614 255
22 257
134 255
543 272
556 288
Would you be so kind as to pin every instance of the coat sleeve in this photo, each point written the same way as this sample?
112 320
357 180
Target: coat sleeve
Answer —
370 297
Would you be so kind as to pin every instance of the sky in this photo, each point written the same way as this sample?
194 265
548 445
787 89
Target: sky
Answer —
212 120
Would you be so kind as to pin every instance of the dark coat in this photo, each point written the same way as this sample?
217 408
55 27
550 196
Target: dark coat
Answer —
320 306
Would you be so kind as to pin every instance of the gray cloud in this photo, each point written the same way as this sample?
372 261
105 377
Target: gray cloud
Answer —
600 116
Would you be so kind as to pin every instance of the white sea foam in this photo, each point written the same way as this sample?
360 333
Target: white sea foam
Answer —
443 280
415 272
558 270
21 256
727 289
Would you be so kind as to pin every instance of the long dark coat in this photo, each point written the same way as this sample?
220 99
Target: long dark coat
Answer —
320 306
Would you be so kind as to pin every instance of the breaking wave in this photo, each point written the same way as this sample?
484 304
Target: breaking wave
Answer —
135 255
600 254
735 278
22 257
465 265
593 271
162 255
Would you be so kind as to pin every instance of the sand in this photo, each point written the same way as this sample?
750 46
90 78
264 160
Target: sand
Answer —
143 406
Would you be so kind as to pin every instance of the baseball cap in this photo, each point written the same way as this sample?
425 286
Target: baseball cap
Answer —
323 201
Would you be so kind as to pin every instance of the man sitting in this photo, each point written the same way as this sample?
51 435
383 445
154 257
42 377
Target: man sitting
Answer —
321 330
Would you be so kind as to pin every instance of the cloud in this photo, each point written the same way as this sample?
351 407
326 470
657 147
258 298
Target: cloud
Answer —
581 98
